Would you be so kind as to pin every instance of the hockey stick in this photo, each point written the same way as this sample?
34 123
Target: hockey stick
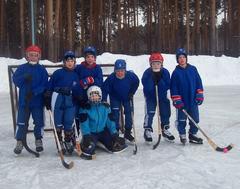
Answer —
121 122
59 148
27 112
159 121
77 140
210 141
133 126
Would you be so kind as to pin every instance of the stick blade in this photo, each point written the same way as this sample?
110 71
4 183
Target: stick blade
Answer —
30 150
88 157
135 150
225 149
68 165
156 145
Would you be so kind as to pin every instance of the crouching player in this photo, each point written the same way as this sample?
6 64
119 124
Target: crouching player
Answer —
97 125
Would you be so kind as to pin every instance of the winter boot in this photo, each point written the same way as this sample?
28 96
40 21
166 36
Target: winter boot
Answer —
128 135
68 142
147 135
183 139
166 134
119 145
39 145
195 139
69 147
19 147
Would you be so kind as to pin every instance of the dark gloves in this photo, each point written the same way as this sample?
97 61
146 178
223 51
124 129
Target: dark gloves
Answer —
63 90
130 96
29 95
47 99
79 100
27 78
156 77
106 104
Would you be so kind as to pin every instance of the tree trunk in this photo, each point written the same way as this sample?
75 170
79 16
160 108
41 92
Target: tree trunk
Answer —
2 28
197 28
22 33
187 27
69 25
57 32
49 8
213 27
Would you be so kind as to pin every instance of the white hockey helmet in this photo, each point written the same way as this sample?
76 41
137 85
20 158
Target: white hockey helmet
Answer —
94 94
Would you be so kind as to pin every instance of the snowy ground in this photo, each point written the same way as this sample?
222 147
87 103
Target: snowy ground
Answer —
170 166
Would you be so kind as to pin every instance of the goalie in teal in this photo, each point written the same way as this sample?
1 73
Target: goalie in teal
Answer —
97 125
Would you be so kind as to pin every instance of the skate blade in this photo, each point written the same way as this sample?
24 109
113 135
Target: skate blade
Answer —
129 142
171 141
148 142
193 142
118 152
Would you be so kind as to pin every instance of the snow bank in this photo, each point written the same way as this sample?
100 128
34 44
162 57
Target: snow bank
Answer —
215 71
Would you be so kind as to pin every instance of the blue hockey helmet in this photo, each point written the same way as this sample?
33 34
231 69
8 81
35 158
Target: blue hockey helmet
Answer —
181 51
89 50
69 55
120 64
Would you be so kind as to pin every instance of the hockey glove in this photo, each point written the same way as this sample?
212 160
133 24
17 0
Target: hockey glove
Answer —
86 81
106 104
63 90
130 96
177 102
156 77
79 100
29 95
199 97
27 78
47 99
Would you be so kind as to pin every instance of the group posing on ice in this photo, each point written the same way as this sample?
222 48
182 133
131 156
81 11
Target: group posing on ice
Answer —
77 98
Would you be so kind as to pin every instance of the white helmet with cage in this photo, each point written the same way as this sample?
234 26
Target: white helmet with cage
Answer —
94 94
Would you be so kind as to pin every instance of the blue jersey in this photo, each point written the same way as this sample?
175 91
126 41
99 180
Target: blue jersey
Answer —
95 71
97 119
185 82
38 84
120 89
149 86
64 79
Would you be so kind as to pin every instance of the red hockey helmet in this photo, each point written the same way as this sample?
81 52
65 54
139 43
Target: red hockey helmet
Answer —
33 48
156 57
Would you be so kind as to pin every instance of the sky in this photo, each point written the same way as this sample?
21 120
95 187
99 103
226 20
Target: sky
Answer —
170 166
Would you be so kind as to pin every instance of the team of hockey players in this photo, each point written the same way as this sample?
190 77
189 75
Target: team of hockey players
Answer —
77 96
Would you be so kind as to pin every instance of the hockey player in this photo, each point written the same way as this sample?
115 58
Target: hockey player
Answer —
63 85
186 93
89 74
121 85
156 75
31 79
88 71
97 124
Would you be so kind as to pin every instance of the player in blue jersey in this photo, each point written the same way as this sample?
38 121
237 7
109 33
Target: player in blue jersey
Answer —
186 93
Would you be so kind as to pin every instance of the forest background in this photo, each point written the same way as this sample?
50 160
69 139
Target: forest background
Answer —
133 27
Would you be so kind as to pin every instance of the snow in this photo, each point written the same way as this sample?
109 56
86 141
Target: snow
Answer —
170 166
